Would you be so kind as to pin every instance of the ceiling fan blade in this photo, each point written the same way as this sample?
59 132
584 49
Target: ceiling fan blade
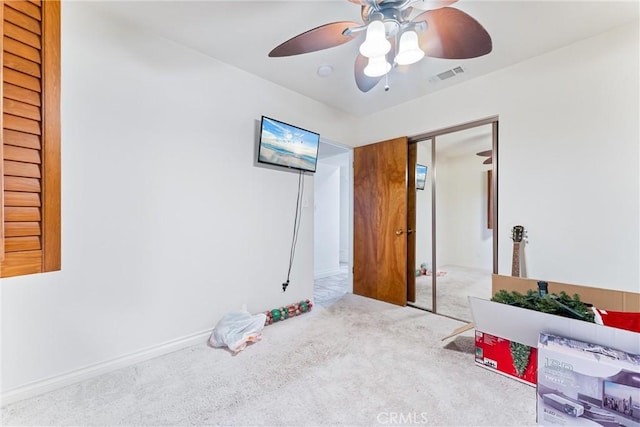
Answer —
364 82
432 4
485 153
453 34
364 12
488 161
322 37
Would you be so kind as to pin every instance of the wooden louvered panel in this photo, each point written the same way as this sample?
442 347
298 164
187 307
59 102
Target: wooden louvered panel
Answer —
20 154
22 50
17 108
21 94
30 147
22 20
26 243
19 213
19 263
16 229
27 8
21 79
25 36
17 183
28 170
21 139
21 124
19 198
2 210
18 63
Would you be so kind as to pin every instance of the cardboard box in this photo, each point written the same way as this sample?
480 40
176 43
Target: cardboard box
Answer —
581 383
506 357
607 299
524 326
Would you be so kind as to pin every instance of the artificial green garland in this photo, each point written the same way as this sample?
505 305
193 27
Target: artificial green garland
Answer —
561 305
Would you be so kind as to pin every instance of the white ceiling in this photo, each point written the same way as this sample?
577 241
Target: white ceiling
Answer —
241 33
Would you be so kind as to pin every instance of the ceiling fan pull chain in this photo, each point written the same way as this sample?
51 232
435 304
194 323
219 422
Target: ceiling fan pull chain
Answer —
386 81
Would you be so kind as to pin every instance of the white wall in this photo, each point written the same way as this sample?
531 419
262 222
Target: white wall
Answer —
326 257
167 224
463 238
344 162
568 160
345 218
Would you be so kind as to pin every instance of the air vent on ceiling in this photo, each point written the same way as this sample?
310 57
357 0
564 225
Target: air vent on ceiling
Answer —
446 74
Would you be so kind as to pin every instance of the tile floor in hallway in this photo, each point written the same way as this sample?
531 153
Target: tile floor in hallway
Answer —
328 290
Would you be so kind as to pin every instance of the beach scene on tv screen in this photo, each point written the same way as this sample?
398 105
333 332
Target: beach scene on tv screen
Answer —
421 176
288 146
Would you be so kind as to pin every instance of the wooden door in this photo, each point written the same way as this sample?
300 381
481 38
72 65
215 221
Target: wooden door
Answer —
380 221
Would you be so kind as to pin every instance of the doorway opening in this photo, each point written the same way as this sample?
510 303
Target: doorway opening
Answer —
333 216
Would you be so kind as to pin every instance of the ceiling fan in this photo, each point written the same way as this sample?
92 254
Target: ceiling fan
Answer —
394 30
488 154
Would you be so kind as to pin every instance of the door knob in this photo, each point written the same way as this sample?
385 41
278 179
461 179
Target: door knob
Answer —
409 231
399 232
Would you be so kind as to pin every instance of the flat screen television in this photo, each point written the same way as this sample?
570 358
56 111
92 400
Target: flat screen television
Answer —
621 399
282 144
421 176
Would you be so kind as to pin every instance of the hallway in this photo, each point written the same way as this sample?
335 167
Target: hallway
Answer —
328 290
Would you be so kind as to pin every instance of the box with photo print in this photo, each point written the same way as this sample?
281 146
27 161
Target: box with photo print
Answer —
581 383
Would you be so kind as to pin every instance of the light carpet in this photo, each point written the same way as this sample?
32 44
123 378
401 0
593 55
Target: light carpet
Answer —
454 288
357 362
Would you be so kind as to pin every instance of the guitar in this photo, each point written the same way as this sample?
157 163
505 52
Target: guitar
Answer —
516 235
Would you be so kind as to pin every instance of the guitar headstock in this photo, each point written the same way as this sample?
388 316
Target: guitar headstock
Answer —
517 233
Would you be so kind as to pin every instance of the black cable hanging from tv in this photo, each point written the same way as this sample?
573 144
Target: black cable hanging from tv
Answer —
296 227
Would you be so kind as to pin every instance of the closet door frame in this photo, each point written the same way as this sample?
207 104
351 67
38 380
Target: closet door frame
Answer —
493 121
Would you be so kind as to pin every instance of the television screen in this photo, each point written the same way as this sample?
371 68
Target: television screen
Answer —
622 399
282 144
421 176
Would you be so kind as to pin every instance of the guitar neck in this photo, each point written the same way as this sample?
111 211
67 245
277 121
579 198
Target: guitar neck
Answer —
515 264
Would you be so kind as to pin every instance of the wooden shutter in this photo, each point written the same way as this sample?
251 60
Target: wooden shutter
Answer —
30 148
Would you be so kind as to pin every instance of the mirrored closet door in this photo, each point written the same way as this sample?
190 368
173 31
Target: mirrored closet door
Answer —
455 219
423 232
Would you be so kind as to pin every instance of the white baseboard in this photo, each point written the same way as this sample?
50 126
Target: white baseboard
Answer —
57 381
327 273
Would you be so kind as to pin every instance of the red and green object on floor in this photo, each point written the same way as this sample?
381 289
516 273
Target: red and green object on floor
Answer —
291 310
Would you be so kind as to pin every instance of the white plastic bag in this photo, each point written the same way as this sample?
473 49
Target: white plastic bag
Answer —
236 329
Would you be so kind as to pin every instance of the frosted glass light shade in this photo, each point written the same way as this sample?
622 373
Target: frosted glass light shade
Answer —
376 43
409 52
377 66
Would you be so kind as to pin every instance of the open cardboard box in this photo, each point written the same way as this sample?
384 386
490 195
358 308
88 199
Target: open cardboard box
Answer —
524 326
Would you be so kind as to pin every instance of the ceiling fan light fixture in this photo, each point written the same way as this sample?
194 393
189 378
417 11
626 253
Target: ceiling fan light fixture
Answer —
376 43
378 66
409 51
